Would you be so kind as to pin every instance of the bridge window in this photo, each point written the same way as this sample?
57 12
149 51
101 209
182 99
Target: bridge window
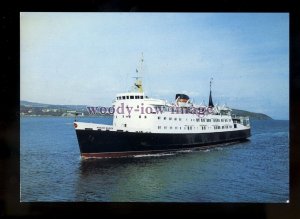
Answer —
131 97
137 97
123 97
127 97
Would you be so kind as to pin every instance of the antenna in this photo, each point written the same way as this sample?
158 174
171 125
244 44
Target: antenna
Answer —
210 102
211 79
138 84
142 60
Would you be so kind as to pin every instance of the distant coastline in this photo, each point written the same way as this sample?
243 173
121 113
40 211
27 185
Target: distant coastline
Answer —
32 109
73 116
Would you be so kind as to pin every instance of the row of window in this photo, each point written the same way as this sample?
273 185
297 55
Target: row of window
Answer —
165 127
131 97
179 119
222 120
170 118
198 120
222 127
185 128
191 127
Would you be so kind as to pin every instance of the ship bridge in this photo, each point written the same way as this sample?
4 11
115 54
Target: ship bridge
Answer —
131 96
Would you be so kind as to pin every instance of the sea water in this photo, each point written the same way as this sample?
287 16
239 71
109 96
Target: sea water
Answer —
51 169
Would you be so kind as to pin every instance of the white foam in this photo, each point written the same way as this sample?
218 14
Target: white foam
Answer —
185 151
152 155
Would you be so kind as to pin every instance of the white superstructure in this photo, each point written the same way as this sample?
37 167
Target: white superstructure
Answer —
143 114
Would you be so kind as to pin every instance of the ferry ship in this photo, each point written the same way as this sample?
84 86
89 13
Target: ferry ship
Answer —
143 125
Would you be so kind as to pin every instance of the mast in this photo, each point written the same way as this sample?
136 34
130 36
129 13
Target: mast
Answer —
138 83
210 103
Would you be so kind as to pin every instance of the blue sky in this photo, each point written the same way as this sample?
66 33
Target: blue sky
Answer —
87 58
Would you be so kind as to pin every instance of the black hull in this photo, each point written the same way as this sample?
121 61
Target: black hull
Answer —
115 144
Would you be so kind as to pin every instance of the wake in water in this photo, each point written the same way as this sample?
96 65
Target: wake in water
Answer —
173 152
154 155
169 153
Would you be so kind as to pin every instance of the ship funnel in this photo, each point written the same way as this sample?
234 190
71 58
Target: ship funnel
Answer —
182 98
